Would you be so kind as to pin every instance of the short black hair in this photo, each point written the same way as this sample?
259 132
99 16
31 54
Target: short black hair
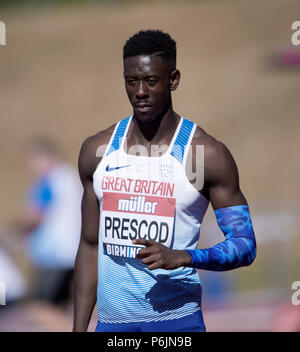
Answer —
151 42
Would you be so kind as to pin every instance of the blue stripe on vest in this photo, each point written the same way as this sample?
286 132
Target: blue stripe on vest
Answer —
116 143
182 139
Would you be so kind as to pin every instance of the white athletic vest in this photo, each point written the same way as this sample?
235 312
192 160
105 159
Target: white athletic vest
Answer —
146 197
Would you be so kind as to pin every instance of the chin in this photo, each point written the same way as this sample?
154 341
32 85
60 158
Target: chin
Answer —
145 116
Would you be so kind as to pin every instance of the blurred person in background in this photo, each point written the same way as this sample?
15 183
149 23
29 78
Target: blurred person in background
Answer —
12 281
51 220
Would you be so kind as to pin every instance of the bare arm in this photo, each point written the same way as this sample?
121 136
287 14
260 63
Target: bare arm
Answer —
86 260
221 177
232 214
27 220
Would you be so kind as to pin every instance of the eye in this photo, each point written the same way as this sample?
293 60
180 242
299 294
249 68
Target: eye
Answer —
130 81
151 81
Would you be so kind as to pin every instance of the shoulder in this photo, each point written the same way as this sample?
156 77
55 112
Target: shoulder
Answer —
92 150
217 156
213 148
92 143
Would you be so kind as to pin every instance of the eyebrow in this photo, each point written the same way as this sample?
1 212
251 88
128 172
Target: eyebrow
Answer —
149 76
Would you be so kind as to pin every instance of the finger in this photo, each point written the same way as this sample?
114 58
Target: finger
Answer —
150 260
144 242
156 265
145 252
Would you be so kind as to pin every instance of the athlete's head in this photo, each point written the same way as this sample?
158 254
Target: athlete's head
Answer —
40 154
150 73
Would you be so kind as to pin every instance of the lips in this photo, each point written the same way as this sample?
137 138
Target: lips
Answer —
143 107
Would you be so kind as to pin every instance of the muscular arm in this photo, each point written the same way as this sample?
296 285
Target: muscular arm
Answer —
86 260
232 214
85 295
221 176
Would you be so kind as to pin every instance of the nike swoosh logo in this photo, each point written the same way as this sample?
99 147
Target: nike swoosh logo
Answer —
108 168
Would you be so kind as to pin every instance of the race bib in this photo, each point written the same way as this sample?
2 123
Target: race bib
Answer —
126 217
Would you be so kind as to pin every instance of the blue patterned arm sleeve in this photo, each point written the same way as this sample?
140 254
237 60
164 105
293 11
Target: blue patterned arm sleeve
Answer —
239 247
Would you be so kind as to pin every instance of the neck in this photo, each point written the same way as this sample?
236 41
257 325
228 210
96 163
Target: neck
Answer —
150 129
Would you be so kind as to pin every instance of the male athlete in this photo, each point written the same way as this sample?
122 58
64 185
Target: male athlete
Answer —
143 206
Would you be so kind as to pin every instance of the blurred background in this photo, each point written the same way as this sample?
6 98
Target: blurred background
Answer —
60 78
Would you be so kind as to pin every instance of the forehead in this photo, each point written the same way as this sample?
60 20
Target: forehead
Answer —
145 64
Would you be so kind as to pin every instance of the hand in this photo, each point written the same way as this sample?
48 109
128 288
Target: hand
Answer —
156 255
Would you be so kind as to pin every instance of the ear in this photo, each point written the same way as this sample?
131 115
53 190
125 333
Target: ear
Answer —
174 79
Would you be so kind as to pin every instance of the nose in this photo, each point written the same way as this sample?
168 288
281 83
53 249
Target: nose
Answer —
141 90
